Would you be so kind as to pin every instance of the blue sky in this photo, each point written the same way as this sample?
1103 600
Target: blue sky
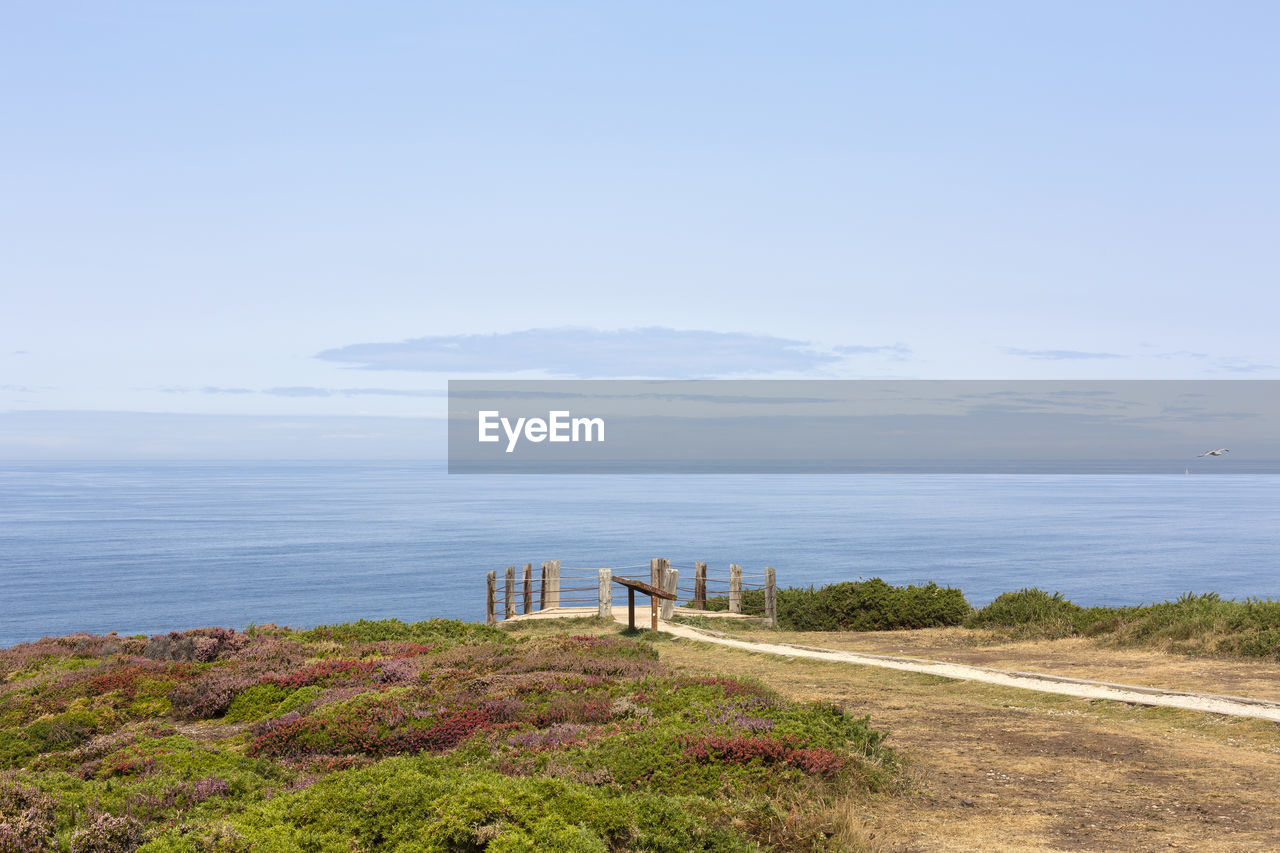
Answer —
314 214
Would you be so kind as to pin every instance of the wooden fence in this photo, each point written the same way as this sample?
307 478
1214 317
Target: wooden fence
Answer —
555 586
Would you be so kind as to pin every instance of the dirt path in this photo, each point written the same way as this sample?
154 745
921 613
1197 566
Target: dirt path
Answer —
992 768
1046 683
1078 657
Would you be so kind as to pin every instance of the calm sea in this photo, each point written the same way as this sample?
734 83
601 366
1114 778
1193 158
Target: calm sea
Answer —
147 548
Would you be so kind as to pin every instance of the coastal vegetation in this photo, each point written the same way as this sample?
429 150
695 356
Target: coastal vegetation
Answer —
1199 624
870 605
435 735
1203 624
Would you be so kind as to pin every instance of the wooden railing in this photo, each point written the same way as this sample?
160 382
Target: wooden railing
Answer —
557 587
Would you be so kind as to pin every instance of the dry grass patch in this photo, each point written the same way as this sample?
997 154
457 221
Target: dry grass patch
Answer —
993 768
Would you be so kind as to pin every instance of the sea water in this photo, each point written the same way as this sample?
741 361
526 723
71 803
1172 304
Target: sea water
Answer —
146 548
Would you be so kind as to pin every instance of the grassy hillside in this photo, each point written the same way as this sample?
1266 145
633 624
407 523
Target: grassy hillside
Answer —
1193 624
432 736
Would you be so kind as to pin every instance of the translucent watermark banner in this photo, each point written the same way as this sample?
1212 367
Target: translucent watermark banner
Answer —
864 426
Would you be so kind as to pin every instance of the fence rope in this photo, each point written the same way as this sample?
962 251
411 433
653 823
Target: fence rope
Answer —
598 568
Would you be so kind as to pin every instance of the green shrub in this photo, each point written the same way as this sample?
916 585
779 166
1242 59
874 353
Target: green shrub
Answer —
382 630
257 703
427 805
1045 614
1204 624
57 732
1193 624
870 605
298 698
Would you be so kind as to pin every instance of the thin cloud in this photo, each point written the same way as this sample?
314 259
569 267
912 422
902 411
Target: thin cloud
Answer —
1060 354
591 353
898 352
390 392
299 391
1239 365
312 391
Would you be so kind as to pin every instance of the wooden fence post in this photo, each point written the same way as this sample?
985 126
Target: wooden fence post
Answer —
490 598
700 586
528 587
553 597
670 582
654 577
771 596
510 591
542 587
605 610
735 588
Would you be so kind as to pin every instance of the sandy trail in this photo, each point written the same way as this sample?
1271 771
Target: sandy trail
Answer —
1235 706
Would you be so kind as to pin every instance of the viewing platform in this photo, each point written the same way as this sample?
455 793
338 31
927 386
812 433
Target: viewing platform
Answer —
575 592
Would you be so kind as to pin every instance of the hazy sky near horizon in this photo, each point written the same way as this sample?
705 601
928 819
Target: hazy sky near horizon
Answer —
293 212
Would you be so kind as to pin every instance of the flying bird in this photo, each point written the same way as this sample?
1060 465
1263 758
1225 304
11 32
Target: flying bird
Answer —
1218 452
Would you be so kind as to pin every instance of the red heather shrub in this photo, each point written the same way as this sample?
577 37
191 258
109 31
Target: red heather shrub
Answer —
325 671
568 708
290 736
731 686
125 764
448 731
123 680
820 761
118 676
365 729
745 750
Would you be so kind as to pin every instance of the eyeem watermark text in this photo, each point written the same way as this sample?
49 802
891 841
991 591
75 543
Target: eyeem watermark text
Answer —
558 426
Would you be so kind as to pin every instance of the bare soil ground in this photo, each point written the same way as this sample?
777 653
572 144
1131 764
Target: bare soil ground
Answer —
1074 657
996 769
